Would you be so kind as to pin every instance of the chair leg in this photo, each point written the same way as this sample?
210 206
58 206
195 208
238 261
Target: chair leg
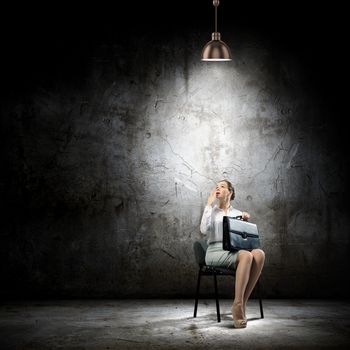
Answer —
260 301
197 293
217 298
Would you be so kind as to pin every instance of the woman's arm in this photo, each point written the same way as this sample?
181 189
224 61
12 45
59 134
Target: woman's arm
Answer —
206 217
206 220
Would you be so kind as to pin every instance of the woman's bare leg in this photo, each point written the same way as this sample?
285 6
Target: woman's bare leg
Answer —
244 265
255 271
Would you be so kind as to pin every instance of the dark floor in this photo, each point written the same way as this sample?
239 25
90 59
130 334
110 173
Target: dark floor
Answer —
168 324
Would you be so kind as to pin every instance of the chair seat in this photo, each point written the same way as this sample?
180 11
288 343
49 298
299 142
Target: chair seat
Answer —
206 269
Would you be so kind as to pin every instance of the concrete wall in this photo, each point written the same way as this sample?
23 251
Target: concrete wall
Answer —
107 171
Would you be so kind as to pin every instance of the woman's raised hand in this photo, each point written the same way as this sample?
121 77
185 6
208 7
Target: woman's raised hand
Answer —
212 196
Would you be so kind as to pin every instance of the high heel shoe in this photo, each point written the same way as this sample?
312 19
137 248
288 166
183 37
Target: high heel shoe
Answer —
239 319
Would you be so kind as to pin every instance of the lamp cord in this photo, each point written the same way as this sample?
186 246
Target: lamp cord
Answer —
216 18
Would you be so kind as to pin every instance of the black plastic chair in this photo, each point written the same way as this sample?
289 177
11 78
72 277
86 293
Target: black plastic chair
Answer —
200 247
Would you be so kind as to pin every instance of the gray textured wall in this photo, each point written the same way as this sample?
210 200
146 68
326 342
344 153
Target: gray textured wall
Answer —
105 178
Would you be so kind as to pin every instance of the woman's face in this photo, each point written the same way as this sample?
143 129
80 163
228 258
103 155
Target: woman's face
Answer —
222 191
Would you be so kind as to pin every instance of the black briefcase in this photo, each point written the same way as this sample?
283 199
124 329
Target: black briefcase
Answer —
239 234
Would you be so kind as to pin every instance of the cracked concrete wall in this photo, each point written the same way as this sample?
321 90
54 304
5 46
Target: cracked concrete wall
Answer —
104 183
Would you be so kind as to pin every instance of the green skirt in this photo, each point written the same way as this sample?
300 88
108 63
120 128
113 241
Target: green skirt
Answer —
218 257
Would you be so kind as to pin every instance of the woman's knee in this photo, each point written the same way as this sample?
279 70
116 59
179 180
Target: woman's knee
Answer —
258 254
245 255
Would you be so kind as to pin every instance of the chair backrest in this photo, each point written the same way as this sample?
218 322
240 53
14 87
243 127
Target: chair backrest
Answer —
200 247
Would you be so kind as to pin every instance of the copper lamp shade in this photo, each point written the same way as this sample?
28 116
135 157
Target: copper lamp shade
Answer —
216 49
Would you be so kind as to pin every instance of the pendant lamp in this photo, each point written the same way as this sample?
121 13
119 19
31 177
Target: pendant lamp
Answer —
216 49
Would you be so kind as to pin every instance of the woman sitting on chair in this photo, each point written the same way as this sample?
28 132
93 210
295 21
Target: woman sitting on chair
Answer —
248 265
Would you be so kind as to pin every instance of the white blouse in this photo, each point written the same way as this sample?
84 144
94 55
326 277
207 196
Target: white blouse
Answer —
211 223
